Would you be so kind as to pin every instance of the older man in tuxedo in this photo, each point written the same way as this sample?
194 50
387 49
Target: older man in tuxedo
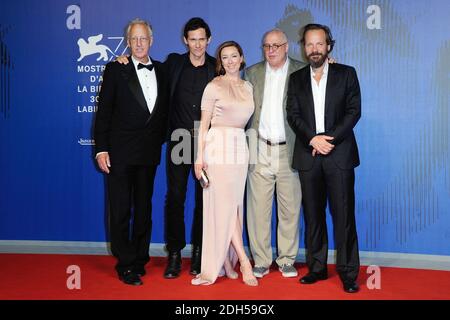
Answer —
130 128
323 107
187 74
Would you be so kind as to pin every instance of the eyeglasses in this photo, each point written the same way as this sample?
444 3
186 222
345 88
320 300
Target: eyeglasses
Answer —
141 39
275 47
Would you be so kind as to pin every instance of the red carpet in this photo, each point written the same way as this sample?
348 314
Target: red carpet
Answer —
43 277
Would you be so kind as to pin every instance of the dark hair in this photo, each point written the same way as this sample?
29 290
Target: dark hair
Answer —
316 26
219 67
194 24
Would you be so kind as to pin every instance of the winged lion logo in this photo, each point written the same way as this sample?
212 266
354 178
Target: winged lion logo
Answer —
92 47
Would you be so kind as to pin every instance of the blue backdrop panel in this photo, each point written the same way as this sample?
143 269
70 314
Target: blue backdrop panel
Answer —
52 56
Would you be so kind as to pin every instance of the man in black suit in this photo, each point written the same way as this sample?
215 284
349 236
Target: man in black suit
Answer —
323 107
130 128
188 73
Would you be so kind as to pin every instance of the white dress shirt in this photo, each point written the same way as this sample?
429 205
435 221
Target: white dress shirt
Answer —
149 86
319 94
271 124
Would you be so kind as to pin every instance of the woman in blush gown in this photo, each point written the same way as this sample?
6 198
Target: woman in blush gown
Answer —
227 105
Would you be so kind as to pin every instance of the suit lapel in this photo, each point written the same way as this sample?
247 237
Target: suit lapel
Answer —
309 95
329 93
158 92
258 90
291 69
133 83
177 72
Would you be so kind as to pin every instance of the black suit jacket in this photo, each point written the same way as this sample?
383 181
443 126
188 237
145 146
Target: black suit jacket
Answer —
342 112
124 126
174 64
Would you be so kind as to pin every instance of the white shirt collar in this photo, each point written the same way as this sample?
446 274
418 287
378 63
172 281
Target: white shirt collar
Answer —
136 62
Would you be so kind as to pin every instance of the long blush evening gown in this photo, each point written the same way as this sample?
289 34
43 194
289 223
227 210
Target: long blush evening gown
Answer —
226 155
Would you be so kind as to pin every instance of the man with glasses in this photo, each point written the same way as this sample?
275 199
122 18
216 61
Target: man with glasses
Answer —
188 74
130 128
271 158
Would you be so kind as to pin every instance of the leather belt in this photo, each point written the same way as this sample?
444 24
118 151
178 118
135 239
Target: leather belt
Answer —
270 143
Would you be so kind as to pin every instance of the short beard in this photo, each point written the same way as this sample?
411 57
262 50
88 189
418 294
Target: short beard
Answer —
317 63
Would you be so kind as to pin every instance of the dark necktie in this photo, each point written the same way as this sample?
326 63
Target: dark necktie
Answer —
148 66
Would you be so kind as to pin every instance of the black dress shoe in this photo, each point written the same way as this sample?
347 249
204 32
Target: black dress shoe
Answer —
131 278
140 271
173 268
196 261
313 277
350 286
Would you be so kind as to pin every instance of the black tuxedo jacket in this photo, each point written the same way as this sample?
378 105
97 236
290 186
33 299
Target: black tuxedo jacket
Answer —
174 65
342 112
124 127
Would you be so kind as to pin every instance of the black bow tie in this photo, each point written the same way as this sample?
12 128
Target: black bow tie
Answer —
148 66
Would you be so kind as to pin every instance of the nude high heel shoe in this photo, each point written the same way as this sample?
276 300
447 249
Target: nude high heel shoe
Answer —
198 281
232 275
247 273
229 271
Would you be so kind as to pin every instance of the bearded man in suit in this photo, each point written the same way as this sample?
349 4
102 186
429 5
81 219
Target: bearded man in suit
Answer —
323 107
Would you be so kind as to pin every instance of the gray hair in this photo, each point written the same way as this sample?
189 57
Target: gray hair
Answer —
275 30
138 21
